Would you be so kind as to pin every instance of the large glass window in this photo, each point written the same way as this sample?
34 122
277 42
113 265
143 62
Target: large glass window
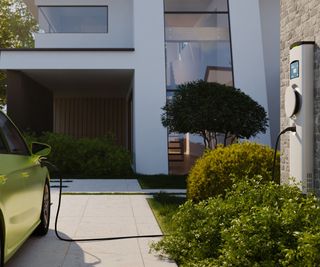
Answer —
73 19
197 45
197 42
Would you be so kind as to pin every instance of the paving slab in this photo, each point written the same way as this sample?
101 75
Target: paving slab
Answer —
90 216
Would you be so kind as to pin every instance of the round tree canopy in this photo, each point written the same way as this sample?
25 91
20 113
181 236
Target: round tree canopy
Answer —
200 107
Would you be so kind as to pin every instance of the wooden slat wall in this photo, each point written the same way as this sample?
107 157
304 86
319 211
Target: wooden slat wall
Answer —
91 117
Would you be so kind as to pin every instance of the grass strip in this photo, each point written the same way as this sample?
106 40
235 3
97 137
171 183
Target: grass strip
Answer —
162 181
164 206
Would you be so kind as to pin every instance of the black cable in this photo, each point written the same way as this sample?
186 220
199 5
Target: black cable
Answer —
50 165
288 129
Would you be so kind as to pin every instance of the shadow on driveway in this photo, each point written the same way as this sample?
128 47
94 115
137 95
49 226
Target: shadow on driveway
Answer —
49 251
89 216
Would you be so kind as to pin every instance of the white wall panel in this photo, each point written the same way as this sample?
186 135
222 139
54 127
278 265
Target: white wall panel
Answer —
270 26
248 56
150 137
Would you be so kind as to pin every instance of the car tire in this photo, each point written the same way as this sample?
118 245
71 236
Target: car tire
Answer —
43 227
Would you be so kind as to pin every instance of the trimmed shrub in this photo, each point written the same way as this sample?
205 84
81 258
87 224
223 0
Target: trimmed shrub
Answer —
255 224
212 174
206 108
84 157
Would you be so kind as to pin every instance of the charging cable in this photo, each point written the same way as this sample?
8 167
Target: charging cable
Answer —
288 129
49 165
53 167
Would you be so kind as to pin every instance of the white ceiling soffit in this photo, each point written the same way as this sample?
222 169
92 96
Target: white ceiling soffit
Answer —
84 82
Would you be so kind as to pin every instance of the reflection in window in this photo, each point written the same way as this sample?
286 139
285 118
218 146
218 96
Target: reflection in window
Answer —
197 47
196 5
222 75
66 19
196 27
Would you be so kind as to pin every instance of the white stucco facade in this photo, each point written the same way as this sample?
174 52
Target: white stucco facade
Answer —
135 41
255 33
147 59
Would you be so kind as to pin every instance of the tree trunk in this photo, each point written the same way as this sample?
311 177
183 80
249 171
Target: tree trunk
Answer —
225 139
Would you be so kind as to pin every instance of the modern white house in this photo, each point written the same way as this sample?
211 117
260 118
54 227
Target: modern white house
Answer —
108 66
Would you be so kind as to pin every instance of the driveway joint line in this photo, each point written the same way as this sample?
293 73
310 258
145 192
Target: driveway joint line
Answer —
136 225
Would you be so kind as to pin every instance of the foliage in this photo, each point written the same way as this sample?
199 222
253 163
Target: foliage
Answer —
16 28
162 181
164 206
255 224
212 174
16 25
98 157
210 109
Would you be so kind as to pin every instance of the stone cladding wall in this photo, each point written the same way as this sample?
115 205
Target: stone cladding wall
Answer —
300 21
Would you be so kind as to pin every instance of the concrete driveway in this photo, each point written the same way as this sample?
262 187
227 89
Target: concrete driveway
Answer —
89 216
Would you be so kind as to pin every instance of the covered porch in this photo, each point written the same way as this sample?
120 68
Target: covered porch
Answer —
79 103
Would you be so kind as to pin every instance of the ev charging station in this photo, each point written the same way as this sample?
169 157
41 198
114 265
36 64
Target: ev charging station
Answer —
299 109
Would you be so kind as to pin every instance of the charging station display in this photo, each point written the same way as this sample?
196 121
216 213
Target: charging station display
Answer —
294 69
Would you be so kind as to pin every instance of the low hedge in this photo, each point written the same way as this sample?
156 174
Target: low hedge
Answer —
254 224
84 157
212 174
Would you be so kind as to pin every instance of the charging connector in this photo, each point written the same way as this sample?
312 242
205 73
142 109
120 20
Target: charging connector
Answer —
288 129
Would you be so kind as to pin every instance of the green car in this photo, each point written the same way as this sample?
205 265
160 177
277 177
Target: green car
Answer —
24 189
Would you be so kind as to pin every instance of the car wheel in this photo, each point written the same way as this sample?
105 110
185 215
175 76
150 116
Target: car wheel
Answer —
43 227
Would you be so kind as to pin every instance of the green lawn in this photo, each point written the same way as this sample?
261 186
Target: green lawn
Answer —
164 207
162 181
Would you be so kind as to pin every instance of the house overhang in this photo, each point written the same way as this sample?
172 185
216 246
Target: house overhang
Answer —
80 83
104 72
67 58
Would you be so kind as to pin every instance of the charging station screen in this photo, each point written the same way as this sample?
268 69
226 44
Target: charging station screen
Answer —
294 70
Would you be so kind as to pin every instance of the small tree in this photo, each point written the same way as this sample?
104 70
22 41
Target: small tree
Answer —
17 26
210 109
